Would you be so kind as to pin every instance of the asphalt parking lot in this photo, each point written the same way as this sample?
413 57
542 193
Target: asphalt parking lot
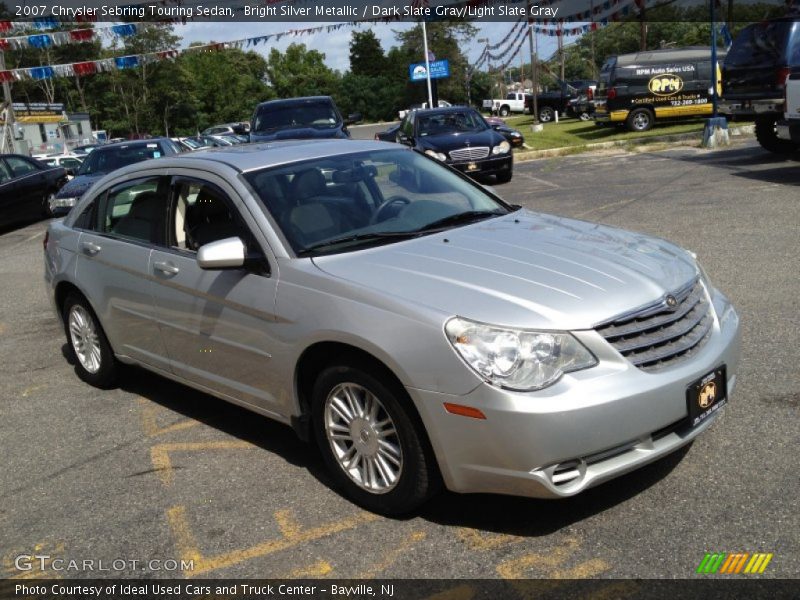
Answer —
156 471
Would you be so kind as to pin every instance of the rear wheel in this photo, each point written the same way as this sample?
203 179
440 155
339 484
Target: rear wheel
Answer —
546 114
371 442
767 136
94 361
640 119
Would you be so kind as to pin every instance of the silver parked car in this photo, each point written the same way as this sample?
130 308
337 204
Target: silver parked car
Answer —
419 328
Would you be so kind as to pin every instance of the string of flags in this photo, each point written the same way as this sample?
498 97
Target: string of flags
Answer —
80 69
59 38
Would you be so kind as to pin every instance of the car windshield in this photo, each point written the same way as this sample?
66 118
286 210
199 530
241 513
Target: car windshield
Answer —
345 202
105 160
319 115
450 122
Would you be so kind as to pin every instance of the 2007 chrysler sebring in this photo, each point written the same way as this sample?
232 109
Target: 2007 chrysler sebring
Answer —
420 329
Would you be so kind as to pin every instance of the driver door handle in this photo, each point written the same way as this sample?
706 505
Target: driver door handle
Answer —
90 248
165 267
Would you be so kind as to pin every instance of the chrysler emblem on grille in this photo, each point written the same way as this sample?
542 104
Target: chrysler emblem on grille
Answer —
671 301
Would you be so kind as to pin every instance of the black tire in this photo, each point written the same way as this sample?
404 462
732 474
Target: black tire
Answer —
546 114
767 136
640 119
504 111
505 176
47 212
418 476
105 376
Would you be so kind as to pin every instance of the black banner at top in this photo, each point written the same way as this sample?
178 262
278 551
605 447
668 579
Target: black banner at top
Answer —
54 13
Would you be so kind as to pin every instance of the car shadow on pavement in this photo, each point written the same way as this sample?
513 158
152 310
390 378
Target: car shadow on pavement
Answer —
749 156
223 416
489 512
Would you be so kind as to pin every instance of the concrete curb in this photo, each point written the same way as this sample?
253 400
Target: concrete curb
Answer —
740 131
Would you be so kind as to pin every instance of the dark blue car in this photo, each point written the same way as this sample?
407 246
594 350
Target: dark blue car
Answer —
312 117
102 161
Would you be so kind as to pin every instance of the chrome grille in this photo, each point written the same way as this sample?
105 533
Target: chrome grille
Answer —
656 336
476 153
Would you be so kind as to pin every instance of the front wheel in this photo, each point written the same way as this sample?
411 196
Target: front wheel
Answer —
94 361
505 176
371 442
504 111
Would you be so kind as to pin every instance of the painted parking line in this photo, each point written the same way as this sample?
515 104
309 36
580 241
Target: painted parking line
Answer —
461 592
162 462
521 567
480 541
390 558
584 570
31 389
38 559
188 549
318 569
148 413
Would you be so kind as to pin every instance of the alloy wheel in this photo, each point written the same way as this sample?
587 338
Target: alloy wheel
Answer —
363 438
84 338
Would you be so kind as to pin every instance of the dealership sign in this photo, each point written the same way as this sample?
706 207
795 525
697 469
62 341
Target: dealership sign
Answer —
439 70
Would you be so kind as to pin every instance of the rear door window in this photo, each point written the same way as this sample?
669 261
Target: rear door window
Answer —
135 210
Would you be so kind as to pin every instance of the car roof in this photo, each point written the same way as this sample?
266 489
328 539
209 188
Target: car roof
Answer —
442 110
300 100
134 143
252 157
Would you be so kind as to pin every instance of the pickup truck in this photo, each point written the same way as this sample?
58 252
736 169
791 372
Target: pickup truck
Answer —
789 128
547 103
514 102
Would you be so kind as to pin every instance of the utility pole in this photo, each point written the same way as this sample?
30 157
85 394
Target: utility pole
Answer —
533 42
7 144
561 49
427 64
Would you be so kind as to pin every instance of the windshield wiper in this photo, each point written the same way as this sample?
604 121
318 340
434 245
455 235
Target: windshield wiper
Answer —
461 218
359 237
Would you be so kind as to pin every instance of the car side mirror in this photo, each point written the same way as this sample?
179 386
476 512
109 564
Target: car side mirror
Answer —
353 118
402 138
495 126
222 254
70 172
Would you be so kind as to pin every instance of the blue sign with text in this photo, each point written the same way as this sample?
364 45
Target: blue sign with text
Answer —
439 70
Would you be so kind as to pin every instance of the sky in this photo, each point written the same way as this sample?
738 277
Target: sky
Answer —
336 45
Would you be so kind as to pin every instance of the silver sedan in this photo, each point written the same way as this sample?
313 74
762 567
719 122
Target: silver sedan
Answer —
423 331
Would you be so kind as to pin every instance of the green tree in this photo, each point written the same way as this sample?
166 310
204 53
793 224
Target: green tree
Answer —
366 55
300 72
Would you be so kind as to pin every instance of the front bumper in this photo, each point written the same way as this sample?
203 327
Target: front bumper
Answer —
789 130
487 166
591 426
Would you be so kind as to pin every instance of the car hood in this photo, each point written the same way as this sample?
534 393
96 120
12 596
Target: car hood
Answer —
297 133
523 269
79 185
445 142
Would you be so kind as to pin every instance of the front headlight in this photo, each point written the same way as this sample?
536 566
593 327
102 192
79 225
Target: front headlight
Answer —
517 359
501 148
436 155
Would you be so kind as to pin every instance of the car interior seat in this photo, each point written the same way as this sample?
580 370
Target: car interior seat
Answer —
144 218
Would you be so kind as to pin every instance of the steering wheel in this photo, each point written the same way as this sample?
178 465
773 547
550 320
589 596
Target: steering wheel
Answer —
385 205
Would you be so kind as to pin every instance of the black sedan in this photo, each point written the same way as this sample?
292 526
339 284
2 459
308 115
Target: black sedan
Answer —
27 187
105 159
459 137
